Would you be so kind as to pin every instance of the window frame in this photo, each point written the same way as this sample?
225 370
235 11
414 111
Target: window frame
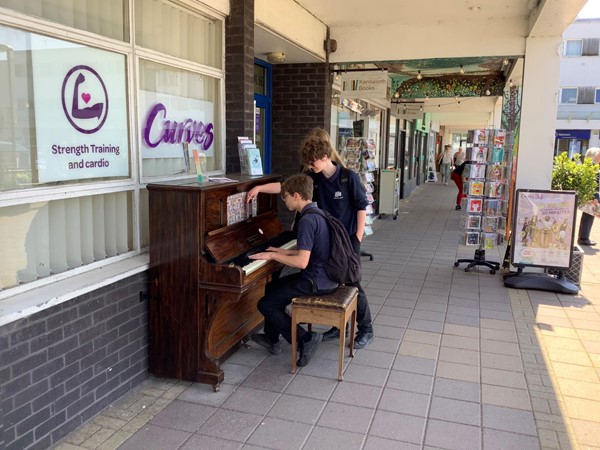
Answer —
134 183
560 97
565 46
597 96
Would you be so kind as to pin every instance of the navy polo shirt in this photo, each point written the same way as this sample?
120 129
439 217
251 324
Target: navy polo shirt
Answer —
341 200
313 235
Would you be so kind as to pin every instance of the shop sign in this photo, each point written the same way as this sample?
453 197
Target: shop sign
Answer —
365 85
408 110
80 111
170 123
573 134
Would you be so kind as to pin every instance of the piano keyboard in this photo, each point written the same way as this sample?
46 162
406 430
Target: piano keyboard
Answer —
257 263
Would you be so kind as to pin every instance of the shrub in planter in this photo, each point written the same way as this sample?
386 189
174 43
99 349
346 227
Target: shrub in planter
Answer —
571 175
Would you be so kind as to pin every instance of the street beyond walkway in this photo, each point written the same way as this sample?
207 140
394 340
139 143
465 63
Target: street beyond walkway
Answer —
459 362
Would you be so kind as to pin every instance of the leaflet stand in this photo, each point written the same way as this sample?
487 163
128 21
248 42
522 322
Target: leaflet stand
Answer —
479 260
540 282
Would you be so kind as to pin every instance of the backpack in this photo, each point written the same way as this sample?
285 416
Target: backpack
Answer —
343 265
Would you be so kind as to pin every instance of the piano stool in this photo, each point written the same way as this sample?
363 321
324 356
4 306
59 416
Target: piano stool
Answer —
332 309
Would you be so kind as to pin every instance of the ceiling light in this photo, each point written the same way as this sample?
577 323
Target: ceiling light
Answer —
456 96
275 57
439 107
396 94
426 96
504 61
419 76
458 104
487 92
474 8
462 70
421 108
510 84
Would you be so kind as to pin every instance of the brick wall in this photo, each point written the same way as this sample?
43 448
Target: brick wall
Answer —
239 78
61 366
301 102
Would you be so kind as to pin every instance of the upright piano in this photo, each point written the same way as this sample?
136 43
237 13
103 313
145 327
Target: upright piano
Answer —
203 287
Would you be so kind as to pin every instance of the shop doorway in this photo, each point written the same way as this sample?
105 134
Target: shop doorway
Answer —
263 83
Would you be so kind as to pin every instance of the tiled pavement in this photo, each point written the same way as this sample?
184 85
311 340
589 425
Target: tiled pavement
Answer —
459 362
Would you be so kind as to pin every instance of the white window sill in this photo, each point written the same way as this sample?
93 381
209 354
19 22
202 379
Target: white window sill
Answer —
27 303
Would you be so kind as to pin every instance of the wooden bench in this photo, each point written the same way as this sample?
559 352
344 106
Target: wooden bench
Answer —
333 309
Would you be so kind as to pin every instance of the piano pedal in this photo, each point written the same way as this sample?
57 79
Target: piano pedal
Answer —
244 342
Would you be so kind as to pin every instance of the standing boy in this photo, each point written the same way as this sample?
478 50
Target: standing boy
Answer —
310 255
338 191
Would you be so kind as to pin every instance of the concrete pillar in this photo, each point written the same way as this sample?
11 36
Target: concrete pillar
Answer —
538 112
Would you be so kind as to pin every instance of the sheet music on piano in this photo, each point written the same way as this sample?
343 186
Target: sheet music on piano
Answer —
238 209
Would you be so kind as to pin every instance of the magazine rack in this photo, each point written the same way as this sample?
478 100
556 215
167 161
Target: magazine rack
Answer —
484 210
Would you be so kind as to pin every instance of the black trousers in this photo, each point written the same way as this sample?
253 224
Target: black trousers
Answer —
585 226
363 313
278 294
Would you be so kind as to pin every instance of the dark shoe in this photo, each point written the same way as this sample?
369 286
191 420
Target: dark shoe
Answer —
363 339
457 207
586 242
334 333
262 340
308 349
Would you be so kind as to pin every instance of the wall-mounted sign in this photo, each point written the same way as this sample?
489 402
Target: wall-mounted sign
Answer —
365 85
80 106
543 228
408 110
573 134
168 121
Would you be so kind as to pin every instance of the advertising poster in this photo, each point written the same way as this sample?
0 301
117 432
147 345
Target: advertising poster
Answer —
80 106
543 228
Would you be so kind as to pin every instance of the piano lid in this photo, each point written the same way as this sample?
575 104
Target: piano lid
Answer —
229 242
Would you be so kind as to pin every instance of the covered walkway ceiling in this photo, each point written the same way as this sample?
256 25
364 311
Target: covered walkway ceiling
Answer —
436 37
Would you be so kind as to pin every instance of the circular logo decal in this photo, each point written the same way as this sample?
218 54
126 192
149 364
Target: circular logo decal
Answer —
84 99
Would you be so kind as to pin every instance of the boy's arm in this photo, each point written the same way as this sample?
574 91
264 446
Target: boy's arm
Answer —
298 260
269 188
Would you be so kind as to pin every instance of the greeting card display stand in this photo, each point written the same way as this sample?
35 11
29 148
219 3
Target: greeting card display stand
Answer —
486 174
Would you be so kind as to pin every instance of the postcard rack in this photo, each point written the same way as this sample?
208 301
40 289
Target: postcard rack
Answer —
484 207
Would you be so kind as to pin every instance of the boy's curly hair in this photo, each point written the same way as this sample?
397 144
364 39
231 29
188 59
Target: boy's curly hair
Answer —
317 145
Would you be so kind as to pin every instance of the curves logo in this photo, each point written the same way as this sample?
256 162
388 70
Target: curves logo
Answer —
84 99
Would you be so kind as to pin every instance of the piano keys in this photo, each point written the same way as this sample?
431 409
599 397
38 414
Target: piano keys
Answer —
203 287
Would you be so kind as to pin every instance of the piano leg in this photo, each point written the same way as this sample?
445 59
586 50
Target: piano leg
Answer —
216 387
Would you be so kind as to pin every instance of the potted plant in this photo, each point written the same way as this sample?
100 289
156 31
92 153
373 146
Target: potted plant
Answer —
572 174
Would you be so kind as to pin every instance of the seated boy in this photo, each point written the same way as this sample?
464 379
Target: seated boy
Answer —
309 256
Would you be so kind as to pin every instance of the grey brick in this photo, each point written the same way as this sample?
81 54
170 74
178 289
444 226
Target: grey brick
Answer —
29 363
46 340
14 353
106 313
62 347
48 398
107 387
89 334
45 370
117 321
42 444
91 384
95 407
32 420
77 327
105 338
3 343
139 355
66 400
132 371
28 332
79 353
130 326
16 415
64 374
106 363
79 405
4 375
118 368
93 358
46 427
17 384
78 379
117 345
32 391
62 318
20 443
91 306
65 429
129 350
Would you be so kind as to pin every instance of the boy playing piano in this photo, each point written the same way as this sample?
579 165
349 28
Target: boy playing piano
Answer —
309 256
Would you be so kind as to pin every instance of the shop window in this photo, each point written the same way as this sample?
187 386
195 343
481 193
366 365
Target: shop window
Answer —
178 112
64 115
568 96
174 30
573 47
103 17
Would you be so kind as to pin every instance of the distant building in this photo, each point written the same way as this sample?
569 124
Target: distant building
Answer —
578 116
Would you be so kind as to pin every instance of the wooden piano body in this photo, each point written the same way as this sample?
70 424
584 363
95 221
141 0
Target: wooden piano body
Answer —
201 305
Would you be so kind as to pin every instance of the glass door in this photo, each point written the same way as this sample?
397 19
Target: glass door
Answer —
263 74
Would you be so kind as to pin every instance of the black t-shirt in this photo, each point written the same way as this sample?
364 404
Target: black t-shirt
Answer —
458 170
